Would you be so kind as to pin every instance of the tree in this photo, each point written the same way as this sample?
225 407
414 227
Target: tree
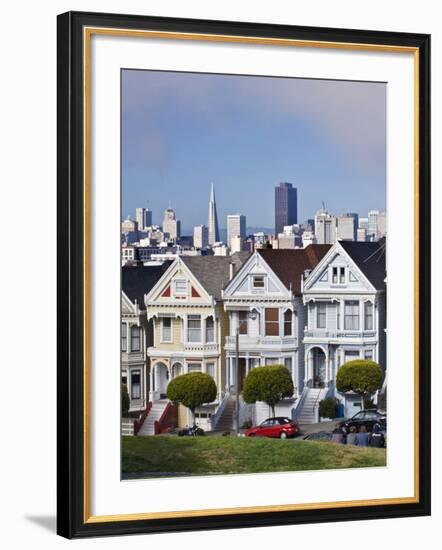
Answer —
269 384
361 376
125 402
192 390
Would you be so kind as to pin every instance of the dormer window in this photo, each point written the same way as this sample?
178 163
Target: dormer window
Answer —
338 275
180 287
258 282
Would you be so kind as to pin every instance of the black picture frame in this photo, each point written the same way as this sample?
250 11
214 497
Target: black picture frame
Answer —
72 520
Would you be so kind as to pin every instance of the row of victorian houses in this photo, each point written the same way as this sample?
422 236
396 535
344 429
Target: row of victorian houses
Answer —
310 309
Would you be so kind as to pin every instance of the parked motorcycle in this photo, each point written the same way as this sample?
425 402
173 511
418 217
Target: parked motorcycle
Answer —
193 430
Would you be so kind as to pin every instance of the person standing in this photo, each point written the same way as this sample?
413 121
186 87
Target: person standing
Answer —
339 434
361 439
377 438
351 437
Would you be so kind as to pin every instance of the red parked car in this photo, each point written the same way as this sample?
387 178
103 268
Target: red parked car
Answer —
279 426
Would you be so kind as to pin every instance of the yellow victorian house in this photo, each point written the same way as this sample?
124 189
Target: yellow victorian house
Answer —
190 327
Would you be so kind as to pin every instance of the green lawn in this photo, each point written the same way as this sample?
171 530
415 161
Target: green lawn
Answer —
233 455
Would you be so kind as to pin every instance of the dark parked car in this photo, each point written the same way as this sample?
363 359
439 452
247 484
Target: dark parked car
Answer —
319 436
279 426
368 417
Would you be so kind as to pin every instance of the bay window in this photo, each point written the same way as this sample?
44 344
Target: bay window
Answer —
194 328
272 321
166 329
368 316
210 329
123 337
288 316
242 321
135 338
321 315
351 315
135 384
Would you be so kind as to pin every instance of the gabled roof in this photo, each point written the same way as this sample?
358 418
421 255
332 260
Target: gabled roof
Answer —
213 272
370 258
136 281
289 265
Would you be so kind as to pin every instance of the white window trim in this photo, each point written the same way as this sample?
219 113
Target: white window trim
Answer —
162 339
202 327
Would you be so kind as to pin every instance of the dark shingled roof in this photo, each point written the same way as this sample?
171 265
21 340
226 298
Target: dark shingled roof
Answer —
370 258
289 265
136 281
213 272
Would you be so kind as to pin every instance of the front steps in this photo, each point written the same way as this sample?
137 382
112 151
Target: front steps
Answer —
308 414
225 423
155 413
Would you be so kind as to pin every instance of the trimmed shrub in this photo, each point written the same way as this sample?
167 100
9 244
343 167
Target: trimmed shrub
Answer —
269 384
327 408
192 390
361 376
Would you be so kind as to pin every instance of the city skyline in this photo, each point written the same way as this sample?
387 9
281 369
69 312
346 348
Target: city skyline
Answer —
182 131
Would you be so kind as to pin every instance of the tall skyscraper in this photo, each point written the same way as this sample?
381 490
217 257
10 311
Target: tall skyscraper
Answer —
325 227
200 236
236 227
347 225
213 219
372 232
143 217
286 206
382 224
171 225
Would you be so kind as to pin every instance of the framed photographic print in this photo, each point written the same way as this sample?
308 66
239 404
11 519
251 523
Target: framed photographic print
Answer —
243 274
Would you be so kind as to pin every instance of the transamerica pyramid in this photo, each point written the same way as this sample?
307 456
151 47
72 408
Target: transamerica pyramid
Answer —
213 219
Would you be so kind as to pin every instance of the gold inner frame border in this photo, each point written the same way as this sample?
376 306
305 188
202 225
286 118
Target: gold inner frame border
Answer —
88 32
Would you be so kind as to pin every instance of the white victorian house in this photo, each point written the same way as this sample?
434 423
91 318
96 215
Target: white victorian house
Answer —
265 308
345 296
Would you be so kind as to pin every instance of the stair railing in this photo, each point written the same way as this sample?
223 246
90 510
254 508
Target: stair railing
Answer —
299 404
219 411
140 420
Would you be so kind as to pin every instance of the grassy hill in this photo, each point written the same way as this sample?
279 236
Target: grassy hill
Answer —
234 455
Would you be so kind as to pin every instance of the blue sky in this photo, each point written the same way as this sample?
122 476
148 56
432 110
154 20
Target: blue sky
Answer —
182 131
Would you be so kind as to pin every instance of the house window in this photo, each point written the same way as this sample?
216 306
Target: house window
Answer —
351 315
180 287
135 338
124 378
351 355
338 316
123 337
335 275
211 369
368 315
321 314
288 323
194 328
288 363
166 335
272 321
368 354
341 275
258 281
210 329
194 367
135 384
242 321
